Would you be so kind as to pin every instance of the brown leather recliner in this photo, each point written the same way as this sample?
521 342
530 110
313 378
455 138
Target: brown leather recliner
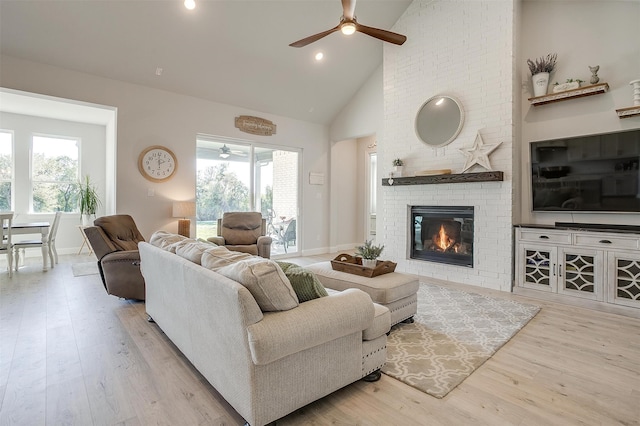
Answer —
245 232
114 240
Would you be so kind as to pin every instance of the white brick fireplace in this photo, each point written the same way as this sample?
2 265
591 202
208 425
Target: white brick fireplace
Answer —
462 49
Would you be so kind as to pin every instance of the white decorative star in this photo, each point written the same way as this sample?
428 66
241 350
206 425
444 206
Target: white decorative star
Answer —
478 154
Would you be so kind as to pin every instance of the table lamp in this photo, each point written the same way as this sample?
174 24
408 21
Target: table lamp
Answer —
184 209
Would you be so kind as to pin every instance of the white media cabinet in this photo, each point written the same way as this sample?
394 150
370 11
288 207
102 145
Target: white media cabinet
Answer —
598 265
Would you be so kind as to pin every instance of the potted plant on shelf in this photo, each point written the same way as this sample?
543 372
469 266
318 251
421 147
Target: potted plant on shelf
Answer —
540 70
398 165
88 200
369 253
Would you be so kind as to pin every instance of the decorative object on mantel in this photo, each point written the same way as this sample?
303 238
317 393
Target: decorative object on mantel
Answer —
570 84
369 253
540 70
495 176
594 74
433 172
595 89
478 154
398 167
255 125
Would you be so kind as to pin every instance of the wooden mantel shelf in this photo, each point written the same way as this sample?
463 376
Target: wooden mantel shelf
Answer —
594 89
628 112
451 178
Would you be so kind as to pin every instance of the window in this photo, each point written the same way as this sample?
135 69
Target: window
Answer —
54 174
243 176
6 169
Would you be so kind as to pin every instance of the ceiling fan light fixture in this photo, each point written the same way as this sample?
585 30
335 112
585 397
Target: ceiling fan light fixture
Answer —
348 28
224 155
225 151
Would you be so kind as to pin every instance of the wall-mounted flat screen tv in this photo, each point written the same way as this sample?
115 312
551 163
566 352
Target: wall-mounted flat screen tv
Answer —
595 173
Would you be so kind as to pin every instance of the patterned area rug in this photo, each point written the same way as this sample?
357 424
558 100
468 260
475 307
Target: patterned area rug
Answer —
85 268
454 333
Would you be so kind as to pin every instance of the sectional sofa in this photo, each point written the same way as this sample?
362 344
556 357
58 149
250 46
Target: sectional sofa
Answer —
239 322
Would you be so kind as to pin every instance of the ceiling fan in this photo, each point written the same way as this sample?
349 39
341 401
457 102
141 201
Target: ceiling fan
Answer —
225 152
349 25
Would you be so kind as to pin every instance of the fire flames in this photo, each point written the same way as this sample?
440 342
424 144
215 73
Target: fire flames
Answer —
441 241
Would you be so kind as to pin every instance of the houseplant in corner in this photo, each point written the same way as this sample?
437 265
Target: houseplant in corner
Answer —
540 70
369 252
88 200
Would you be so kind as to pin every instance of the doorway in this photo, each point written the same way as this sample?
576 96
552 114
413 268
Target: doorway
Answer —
239 175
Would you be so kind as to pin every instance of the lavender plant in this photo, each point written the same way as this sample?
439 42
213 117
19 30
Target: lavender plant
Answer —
543 64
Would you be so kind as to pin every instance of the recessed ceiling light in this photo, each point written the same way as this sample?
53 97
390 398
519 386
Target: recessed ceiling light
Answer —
190 4
319 56
159 71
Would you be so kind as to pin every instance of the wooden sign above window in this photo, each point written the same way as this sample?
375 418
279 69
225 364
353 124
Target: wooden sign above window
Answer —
255 125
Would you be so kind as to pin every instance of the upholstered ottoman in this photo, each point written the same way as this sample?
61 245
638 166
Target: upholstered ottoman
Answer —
396 291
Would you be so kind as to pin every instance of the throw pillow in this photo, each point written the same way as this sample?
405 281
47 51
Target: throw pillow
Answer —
218 257
265 281
304 282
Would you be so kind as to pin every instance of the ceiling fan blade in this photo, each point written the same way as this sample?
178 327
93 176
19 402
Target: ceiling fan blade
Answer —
383 35
316 37
349 9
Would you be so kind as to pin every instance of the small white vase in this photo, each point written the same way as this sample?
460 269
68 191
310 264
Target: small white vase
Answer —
540 83
397 171
369 263
636 92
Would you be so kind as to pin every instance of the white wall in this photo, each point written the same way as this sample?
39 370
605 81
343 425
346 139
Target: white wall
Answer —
583 34
463 49
344 196
363 115
153 117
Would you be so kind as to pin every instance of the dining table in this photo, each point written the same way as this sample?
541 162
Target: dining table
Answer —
41 228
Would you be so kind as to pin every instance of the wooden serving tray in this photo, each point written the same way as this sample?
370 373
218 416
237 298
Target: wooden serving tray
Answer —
353 265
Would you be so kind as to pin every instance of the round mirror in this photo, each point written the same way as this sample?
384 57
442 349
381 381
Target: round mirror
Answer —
439 120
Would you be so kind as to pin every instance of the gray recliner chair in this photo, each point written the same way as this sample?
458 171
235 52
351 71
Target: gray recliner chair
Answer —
114 240
244 232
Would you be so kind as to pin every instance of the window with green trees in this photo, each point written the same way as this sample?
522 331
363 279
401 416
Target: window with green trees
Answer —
54 174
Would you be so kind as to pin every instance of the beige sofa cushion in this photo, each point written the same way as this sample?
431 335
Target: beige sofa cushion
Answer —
193 250
265 281
219 257
164 240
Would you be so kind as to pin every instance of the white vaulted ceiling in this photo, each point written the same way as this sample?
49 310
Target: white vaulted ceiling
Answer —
230 51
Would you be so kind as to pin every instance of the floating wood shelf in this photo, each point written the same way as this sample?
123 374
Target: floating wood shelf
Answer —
455 178
580 92
628 112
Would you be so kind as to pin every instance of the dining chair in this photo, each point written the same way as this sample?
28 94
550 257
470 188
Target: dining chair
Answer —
50 242
6 219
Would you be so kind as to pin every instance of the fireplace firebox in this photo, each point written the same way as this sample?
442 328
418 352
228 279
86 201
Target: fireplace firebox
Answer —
442 234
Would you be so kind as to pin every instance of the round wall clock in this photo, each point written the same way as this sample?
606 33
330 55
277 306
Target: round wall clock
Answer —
157 163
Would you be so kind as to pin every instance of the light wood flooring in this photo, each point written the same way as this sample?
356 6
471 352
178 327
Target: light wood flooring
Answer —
72 355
